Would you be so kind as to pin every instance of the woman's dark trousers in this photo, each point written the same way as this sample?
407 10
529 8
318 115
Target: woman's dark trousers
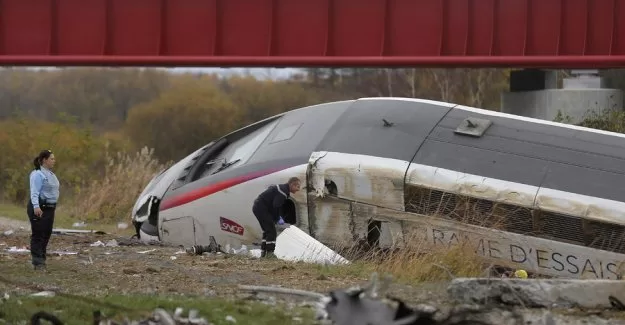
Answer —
41 230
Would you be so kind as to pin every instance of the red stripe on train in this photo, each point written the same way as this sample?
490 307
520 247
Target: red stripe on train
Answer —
199 193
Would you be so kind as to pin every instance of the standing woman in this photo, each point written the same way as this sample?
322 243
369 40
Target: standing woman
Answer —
44 193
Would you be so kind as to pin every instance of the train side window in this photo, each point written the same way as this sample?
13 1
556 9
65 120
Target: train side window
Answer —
286 133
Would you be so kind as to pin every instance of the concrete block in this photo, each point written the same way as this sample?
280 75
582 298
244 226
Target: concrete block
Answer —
537 293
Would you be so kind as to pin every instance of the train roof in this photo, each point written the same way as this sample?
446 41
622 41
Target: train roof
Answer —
500 146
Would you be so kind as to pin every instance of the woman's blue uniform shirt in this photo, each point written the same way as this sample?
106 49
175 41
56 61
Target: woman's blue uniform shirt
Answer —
44 185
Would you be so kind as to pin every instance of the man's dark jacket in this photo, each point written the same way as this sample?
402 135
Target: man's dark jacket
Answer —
273 198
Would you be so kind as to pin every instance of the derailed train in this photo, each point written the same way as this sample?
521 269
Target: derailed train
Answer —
526 193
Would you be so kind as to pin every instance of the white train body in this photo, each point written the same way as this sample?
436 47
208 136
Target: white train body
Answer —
526 193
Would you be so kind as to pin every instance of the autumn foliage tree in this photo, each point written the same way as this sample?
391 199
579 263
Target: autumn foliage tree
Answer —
188 115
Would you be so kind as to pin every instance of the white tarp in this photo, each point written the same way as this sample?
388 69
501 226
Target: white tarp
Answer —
293 244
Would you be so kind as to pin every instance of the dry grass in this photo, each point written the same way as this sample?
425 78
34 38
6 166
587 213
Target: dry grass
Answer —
416 258
112 197
415 261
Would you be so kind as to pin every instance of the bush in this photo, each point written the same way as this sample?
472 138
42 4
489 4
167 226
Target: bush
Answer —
80 155
99 179
112 197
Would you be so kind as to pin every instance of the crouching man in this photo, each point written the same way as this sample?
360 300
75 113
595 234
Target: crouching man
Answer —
267 208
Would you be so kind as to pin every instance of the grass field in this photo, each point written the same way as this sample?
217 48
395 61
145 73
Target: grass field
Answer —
147 276
138 307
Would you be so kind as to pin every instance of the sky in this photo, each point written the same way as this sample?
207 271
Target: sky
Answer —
259 73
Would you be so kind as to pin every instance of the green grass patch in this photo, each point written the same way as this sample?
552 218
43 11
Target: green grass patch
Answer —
18 310
62 219
16 212
13 211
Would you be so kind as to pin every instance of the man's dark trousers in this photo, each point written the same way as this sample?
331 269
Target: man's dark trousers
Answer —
41 230
265 219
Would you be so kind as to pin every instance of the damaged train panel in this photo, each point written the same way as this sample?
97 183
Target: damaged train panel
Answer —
375 180
543 256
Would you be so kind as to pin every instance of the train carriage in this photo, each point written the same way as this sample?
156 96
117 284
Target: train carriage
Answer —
526 193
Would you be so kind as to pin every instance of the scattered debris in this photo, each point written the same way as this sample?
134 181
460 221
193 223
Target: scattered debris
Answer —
110 243
292 244
61 253
357 306
63 231
79 224
159 317
212 247
303 293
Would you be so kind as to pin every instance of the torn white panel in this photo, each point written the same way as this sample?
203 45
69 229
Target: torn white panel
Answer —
362 178
295 245
317 179
534 197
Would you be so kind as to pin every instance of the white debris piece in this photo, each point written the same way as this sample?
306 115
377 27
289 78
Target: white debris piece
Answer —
230 319
110 243
79 224
60 253
14 249
293 244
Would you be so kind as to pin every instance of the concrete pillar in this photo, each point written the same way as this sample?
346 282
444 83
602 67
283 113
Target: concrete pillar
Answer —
534 93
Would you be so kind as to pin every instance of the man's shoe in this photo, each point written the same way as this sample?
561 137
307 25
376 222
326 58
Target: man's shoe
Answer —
270 255
41 267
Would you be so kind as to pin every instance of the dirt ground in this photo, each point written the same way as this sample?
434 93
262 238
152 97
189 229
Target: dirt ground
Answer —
134 268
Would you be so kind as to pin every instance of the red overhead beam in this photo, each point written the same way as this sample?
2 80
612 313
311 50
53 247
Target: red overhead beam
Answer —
522 33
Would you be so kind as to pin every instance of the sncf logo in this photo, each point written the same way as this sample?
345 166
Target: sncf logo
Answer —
231 226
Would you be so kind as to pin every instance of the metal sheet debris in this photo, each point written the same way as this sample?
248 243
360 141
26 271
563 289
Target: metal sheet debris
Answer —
293 244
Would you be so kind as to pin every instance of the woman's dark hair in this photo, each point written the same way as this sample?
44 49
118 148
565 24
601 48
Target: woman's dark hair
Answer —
44 154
